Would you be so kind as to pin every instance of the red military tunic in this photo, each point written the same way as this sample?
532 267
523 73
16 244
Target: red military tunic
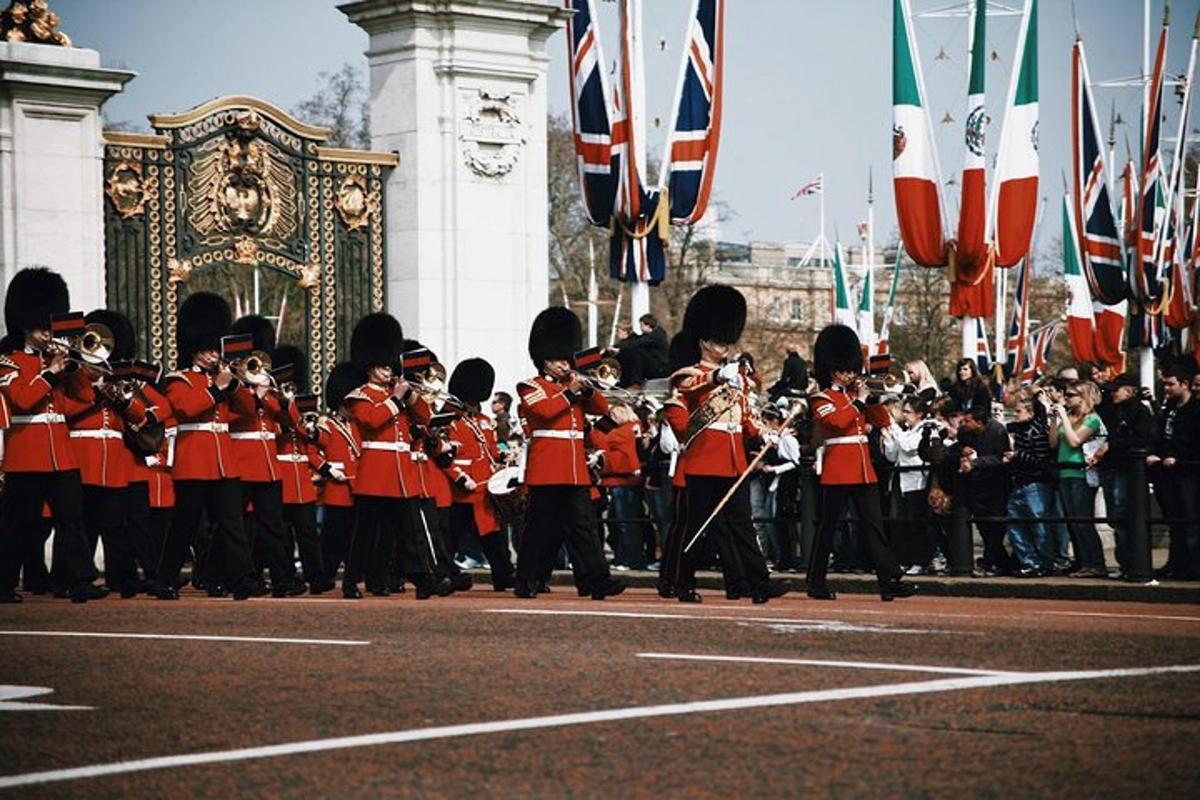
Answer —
203 449
675 416
841 430
254 431
38 440
341 450
556 432
719 449
387 468
436 482
154 470
298 460
622 466
97 434
476 456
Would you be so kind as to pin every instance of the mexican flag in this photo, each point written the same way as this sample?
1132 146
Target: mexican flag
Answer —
1081 325
915 173
971 251
842 313
1014 207
866 311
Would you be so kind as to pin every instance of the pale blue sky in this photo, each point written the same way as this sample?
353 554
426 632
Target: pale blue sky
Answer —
807 82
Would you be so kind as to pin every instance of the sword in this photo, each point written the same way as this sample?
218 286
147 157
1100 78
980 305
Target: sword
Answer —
732 489
428 536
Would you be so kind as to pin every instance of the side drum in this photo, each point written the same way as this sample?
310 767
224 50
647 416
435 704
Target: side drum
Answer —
508 495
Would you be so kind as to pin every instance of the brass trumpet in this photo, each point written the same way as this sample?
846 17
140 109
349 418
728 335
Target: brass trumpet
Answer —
430 383
604 378
252 368
90 349
888 384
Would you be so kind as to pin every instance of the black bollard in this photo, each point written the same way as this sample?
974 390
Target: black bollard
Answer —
960 561
1140 568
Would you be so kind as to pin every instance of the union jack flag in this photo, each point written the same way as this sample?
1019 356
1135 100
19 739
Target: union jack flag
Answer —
1037 351
1150 210
815 186
1018 325
983 355
1100 244
596 160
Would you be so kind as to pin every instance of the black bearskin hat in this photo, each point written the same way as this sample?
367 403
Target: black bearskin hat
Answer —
472 380
204 318
124 337
683 352
343 379
837 349
260 328
377 340
290 354
716 312
33 295
556 335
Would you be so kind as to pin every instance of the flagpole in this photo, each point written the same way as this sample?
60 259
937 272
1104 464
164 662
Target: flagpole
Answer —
593 297
824 254
1145 354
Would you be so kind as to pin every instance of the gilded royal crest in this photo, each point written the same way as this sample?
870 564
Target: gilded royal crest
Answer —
241 185
354 203
899 141
126 189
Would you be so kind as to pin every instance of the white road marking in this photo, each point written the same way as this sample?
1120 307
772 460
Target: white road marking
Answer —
578 718
9 694
1179 618
189 637
777 624
809 662
841 626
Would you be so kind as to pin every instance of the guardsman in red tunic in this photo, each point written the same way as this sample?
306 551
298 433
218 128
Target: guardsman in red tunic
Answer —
205 395
105 463
553 406
340 449
719 422
476 457
841 411
151 493
39 461
387 490
253 432
621 478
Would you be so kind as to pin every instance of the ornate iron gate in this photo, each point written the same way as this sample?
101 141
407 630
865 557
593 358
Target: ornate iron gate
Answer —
234 184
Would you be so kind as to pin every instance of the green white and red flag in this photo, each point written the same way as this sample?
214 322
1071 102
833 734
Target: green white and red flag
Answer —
1081 324
971 249
843 314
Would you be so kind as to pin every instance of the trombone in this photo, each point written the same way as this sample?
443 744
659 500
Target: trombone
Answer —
604 378
88 350
430 383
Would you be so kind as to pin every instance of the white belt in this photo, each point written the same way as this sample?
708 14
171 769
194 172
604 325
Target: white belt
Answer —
256 436
463 462
197 427
860 439
395 447
33 419
98 433
725 427
557 434
295 458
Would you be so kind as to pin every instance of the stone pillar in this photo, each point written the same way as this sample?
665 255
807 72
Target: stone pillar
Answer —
458 89
51 163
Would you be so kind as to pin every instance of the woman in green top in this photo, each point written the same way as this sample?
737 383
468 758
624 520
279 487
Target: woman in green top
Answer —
1076 424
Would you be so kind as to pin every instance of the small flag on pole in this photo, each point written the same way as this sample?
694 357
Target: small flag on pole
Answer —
815 186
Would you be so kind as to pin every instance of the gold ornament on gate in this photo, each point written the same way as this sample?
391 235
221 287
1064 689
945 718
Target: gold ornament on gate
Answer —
126 189
354 203
33 22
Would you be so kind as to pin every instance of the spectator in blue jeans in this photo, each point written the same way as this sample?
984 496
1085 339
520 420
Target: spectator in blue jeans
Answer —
1029 462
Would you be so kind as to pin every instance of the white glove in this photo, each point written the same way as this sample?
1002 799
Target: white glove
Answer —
731 374
667 442
337 474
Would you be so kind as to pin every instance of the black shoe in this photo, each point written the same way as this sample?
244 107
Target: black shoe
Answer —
771 590
543 587
738 591
821 593
443 588
198 583
665 590
524 591
81 594
167 592
891 589
350 591
62 593
382 591
395 586
689 596
9 596
461 582
214 589
320 585
128 592
289 589
500 585
611 587
425 589
248 588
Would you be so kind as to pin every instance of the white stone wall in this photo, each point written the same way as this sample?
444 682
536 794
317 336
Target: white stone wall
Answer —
51 164
458 90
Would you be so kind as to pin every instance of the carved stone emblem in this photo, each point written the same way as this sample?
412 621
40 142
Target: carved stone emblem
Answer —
492 135
354 203
126 190
240 185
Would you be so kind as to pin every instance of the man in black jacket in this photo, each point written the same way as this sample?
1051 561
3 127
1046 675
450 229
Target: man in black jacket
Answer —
649 349
1130 427
1176 474
984 442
